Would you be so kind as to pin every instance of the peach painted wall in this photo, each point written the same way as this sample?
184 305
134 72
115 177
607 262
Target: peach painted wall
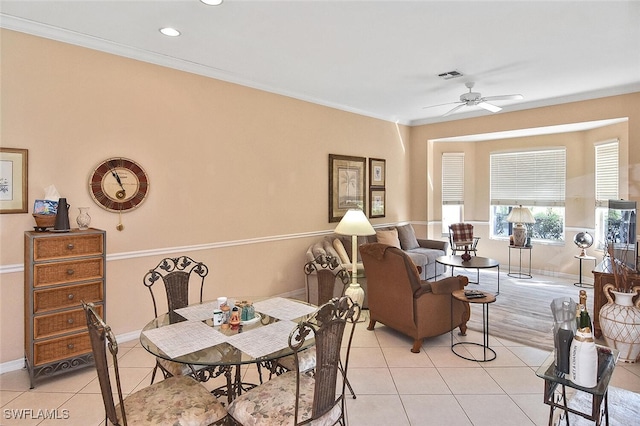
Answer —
239 177
579 213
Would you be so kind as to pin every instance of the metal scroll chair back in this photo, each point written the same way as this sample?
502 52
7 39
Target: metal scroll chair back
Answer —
99 334
462 238
177 400
327 269
327 325
175 273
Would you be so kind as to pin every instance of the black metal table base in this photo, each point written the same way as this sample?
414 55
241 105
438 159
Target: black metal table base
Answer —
598 412
520 275
234 386
580 283
488 354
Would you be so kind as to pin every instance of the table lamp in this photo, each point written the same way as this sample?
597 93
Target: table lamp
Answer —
354 223
520 215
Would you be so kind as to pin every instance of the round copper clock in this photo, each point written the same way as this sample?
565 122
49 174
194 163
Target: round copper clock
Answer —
119 184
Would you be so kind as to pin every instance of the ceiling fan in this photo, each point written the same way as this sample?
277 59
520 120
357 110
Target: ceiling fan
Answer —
476 99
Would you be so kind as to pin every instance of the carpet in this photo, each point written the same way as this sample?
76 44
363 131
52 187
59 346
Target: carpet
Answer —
522 311
624 408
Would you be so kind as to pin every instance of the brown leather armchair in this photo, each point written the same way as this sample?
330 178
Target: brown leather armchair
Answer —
400 300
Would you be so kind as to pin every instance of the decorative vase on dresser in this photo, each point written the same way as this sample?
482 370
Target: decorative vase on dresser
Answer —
61 269
620 322
603 275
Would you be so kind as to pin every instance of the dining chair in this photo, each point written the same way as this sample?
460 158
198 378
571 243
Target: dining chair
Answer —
294 397
178 400
327 269
461 238
175 273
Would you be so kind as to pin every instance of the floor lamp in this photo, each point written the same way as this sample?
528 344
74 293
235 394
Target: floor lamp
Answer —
354 223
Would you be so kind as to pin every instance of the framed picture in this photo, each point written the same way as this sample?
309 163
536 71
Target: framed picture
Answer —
346 185
376 202
13 180
377 172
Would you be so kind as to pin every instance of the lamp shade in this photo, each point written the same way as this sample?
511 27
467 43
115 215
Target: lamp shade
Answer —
520 215
354 222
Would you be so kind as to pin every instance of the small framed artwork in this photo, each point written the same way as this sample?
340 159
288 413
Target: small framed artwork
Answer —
13 180
347 177
377 172
376 202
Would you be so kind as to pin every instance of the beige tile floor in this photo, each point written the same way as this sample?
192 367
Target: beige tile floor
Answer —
393 385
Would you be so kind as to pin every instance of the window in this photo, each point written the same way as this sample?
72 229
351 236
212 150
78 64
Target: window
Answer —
533 179
452 189
606 186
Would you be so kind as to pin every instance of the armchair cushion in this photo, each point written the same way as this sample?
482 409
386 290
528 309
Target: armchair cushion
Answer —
342 252
317 249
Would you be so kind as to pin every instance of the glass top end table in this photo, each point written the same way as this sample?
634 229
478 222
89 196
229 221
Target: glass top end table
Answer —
607 359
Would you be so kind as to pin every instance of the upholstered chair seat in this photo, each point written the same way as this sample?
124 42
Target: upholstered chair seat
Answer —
295 397
273 403
177 400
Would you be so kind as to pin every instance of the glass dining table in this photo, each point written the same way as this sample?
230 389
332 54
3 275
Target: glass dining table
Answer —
188 336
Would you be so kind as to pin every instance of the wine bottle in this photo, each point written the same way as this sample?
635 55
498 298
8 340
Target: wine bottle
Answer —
581 304
583 359
585 319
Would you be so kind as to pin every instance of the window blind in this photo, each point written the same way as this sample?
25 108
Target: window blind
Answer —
530 178
606 173
453 178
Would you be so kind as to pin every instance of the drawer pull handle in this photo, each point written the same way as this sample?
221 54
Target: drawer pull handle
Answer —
70 296
70 321
70 246
70 346
70 271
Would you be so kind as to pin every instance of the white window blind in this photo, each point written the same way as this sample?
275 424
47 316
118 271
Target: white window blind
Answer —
453 178
530 178
606 173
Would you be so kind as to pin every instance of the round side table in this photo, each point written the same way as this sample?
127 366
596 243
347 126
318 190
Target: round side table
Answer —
581 258
488 353
520 274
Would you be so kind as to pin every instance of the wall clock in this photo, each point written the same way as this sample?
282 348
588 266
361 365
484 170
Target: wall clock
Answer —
119 184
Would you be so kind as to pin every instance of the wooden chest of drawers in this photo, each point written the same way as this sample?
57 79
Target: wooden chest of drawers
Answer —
60 270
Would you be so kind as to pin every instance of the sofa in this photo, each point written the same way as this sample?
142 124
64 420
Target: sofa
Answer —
400 300
422 252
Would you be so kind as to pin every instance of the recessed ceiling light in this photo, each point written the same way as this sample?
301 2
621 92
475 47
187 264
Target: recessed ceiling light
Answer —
212 2
171 32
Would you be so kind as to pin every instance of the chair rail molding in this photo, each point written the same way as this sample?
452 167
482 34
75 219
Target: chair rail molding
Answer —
19 267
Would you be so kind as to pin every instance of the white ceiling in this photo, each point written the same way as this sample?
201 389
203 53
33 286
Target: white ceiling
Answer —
376 58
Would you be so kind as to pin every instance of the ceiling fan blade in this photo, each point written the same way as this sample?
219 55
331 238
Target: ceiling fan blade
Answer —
489 107
451 111
503 98
433 106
